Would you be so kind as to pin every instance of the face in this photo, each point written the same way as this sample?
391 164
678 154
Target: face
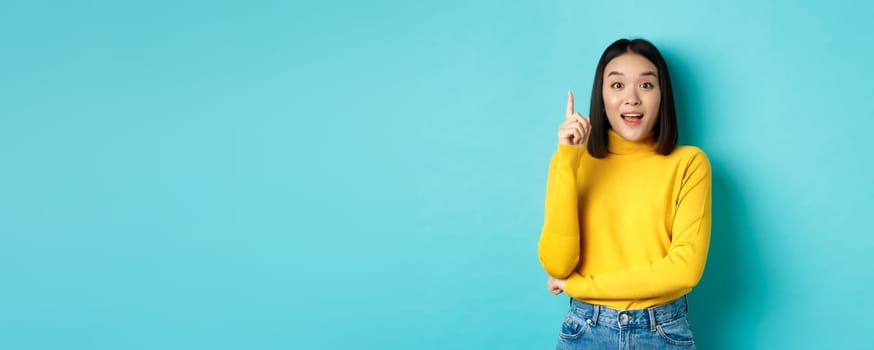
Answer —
632 96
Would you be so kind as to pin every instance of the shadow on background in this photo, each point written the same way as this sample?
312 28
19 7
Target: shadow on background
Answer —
713 304
733 275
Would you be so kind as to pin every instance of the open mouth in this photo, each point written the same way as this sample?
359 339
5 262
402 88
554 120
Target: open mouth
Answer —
632 119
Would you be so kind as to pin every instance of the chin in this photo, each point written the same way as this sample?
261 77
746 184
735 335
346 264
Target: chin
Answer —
631 134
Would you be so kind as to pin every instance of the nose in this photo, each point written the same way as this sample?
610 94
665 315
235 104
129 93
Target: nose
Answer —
631 98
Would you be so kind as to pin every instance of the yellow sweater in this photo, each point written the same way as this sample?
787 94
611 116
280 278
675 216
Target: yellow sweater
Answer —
628 231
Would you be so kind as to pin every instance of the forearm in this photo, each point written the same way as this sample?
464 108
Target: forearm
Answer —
679 271
559 244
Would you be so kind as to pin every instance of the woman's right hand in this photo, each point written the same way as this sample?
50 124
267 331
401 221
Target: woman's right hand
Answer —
575 129
555 285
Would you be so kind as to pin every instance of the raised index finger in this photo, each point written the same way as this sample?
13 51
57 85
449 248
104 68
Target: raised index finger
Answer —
570 105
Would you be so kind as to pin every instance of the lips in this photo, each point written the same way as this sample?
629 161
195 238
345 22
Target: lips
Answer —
632 118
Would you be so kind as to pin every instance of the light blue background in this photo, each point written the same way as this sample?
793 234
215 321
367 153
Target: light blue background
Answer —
370 175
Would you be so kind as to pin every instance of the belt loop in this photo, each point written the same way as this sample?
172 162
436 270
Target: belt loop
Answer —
595 315
686 299
652 319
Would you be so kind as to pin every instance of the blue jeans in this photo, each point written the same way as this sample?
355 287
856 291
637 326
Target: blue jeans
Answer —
589 326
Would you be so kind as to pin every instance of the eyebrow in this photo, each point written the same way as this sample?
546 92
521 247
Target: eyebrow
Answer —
649 72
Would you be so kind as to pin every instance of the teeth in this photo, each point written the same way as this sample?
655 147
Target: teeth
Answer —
632 116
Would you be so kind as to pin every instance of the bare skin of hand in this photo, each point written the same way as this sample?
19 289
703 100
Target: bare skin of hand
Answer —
555 285
575 129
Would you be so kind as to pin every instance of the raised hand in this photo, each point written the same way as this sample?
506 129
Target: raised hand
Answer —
576 128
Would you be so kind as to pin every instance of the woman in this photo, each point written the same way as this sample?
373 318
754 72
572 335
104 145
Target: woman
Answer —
627 222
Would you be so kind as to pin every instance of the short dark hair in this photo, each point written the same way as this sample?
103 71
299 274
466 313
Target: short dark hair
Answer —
665 131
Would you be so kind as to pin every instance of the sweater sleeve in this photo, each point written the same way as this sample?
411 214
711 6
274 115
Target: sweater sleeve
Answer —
682 267
559 245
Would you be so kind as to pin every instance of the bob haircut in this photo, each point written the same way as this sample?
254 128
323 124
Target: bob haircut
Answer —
665 131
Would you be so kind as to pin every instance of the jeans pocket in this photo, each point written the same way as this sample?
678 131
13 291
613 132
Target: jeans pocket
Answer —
677 332
573 326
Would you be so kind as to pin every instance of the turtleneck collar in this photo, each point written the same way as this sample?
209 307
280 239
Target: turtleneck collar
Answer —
616 144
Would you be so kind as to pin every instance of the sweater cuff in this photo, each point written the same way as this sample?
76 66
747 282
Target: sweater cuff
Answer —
570 154
575 285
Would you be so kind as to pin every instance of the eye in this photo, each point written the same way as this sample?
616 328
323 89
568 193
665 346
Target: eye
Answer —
647 85
616 85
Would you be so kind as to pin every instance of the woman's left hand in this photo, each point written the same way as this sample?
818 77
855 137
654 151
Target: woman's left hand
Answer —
556 285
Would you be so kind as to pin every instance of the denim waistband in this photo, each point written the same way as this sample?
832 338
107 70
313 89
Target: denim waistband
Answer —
638 318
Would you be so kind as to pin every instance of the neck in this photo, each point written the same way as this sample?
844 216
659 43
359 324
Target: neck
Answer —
616 144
